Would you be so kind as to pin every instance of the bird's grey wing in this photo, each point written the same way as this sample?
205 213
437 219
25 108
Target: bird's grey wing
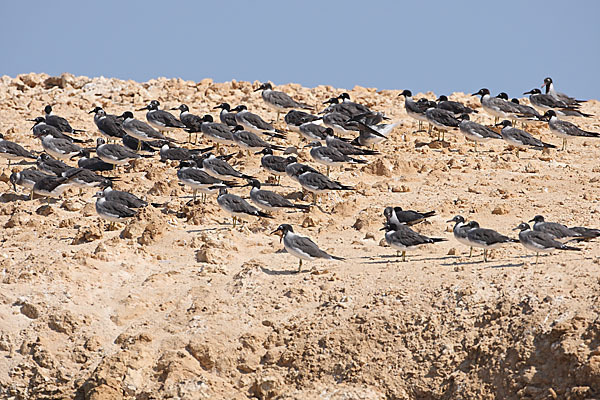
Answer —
273 199
257 121
309 247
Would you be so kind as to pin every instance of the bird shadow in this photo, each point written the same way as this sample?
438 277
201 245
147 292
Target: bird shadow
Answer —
275 272
12 197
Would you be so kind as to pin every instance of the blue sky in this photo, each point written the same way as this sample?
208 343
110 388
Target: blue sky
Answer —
443 46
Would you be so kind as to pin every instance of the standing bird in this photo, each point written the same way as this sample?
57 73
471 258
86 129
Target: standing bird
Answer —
217 132
316 182
279 101
271 201
558 231
141 130
27 178
226 116
442 120
549 85
330 156
565 129
59 123
546 102
161 119
112 211
254 123
108 125
13 151
340 123
497 107
238 207
169 152
114 154
398 216
292 169
402 238
486 238
521 139
62 149
344 147
84 178
192 122
41 128
190 175
300 246
274 164
220 169
460 231
476 132
415 109
539 242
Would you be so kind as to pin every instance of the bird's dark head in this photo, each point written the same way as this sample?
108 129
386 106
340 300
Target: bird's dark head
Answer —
95 110
265 151
549 114
38 120
344 96
223 106
222 191
44 157
502 95
387 212
464 117
187 164
182 108
523 226
482 92
126 115
239 108
405 93
237 128
264 86
534 91
48 109
14 178
282 230
457 219
547 81
504 123
303 169
255 183
153 105
515 100
207 118
291 159
473 224
100 141
537 218
442 98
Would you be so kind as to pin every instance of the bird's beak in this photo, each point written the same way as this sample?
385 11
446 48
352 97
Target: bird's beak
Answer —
531 220
498 124
143 108
259 88
174 108
543 85
215 107
527 92
515 229
476 94
385 118
91 111
450 220
258 152
31 120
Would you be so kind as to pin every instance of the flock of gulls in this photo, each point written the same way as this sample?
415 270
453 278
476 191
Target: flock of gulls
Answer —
344 132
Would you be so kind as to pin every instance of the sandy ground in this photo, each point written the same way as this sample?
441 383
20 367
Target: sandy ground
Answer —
177 304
